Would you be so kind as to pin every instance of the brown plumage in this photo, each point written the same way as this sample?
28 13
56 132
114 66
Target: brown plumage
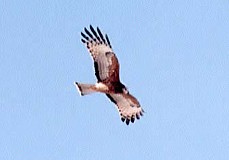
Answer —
107 73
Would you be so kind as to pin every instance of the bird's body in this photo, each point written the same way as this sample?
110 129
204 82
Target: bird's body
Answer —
107 73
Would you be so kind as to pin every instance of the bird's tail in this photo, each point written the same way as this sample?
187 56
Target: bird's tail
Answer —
85 89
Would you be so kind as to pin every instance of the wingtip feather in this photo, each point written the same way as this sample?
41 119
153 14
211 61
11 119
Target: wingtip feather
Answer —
82 40
127 121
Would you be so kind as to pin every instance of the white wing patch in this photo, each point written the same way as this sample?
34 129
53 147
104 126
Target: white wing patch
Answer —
97 49
104 63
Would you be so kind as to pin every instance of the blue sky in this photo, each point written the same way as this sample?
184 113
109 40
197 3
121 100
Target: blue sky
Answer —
174 58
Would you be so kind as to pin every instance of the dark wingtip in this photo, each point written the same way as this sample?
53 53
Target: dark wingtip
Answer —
82 40
132 119
101 35
84 36
108 41
89 34
95 34
137 116
122 119
127 121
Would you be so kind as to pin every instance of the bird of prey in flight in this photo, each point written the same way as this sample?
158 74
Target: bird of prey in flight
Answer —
106 67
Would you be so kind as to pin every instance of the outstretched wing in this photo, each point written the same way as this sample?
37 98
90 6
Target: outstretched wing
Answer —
105 62
128 106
